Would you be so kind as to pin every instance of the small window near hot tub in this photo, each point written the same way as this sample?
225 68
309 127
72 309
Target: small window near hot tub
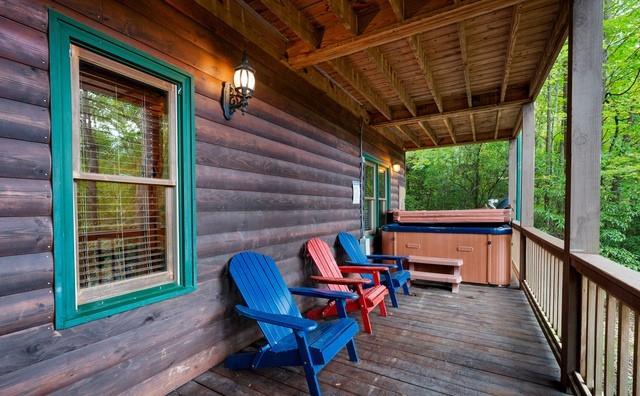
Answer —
376 192
123 157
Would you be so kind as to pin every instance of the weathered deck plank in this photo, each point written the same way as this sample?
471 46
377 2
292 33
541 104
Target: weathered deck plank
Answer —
484 340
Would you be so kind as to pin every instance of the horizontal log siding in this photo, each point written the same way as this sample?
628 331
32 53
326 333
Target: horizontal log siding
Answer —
266 181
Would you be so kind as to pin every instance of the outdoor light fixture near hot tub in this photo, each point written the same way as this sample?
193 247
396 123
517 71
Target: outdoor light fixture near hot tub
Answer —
236 96
396 167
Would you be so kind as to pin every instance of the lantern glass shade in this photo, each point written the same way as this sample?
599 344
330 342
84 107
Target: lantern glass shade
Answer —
244 78
396 167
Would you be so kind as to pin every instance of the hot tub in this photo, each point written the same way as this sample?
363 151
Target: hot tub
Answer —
484 248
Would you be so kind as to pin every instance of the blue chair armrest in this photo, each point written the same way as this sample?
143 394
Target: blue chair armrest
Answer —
291 322
385 257
370 264
398 259
323 293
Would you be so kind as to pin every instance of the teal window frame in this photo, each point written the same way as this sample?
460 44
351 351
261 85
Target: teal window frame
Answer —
63 32
377 163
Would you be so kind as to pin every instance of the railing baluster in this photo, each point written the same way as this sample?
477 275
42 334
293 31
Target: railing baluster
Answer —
610 346
583 327
601 297
636 356
591 334
624 349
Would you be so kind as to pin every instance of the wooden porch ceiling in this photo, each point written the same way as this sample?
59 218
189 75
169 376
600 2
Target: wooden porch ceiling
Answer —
424 74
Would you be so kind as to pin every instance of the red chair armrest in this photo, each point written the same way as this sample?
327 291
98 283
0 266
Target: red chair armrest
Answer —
355 269
340 281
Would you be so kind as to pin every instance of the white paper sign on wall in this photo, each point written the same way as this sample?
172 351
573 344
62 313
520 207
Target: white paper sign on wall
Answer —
356 192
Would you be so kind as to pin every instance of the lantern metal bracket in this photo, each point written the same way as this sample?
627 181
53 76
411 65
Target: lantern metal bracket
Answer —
232 101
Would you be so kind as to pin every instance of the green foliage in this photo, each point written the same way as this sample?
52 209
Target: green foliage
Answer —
465 177
462 177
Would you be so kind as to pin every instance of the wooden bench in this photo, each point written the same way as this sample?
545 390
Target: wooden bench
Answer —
436 269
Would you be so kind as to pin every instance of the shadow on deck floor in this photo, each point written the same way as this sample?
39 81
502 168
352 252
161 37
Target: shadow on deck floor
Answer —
484 340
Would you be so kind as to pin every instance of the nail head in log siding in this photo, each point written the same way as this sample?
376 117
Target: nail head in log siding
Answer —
24 197
23 83
28 160
23 44
24 121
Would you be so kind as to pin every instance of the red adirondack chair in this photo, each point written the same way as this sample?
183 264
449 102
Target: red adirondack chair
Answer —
332 275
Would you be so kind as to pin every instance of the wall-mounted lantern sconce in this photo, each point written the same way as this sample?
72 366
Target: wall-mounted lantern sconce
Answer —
396 167
236 96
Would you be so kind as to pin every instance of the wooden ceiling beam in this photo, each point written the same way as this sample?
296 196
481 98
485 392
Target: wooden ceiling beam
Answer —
430 134
347 71
423 60
343 10
243 19
384 67
398 8
462 38
498 115
452 132
287 12
391 136
517 126
472 121
409 134
454 113
398 31
515 21
554 45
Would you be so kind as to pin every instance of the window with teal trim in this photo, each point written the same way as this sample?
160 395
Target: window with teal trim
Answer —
376 194
123 181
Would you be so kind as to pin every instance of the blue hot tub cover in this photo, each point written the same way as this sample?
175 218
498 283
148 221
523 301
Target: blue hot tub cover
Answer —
491 229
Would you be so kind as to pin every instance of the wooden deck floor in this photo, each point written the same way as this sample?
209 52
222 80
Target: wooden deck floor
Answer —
484 340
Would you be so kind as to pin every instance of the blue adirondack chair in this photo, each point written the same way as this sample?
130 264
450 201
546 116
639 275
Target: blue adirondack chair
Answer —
399 278
291 339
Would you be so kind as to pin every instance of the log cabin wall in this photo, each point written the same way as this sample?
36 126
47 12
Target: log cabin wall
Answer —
266 181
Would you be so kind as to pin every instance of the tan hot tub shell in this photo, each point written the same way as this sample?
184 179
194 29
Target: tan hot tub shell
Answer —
486 257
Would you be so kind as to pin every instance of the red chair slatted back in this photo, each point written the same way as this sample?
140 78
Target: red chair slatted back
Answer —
322 257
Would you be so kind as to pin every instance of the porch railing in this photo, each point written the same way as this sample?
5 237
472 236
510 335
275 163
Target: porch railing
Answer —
605 359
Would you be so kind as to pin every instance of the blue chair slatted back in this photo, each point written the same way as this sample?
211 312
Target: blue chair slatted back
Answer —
352 248
263 289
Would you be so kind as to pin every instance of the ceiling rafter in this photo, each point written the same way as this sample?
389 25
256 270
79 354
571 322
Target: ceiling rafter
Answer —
431 134
286 11
421 56
408 133
454 113
472 121
462 38
358 81
398 31
551 50
384 67
254 28
391 136
452 132
398 8
497 129
343 10
515 21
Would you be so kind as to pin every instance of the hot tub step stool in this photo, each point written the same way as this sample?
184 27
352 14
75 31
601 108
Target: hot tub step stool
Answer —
452 266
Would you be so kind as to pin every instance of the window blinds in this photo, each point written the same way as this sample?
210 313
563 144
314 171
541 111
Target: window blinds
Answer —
123 224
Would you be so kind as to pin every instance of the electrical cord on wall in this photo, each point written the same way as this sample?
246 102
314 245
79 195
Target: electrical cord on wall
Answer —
361 179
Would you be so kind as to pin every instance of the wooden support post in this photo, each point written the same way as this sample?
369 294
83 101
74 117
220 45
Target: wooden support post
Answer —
513 169
528 163
527 176
582 150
